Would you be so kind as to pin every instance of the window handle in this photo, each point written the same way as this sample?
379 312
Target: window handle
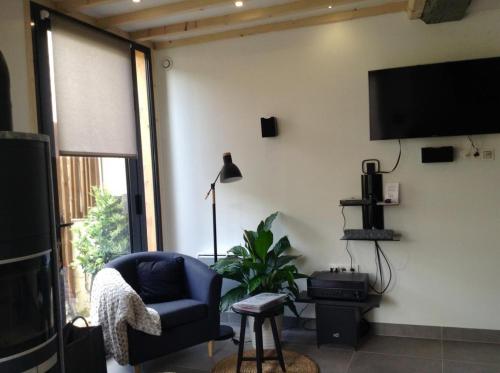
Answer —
138 204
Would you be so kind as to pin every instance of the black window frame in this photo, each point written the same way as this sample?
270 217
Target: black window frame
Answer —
40 21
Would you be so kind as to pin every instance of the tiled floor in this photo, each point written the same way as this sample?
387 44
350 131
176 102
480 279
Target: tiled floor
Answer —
376 354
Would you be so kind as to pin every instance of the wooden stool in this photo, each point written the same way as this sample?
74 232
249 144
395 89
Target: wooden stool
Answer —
260 317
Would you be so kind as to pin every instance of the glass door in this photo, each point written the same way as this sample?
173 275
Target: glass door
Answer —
107 205
94 214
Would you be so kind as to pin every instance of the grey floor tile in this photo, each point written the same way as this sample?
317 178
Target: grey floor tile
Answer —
415 347
299 336
486 353
174 369
367 362
329 360
114 367
194 358
461 367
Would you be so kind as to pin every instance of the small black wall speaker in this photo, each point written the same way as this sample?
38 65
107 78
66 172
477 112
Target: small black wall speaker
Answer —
434 155
269 127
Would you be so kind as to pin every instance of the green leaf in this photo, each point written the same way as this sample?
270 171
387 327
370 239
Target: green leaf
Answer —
292 307
254 284
269 221
249 237
231 268
258 267
285 259
299 275
281 246
271 259
225 264
235 276
262 243
289 269
232 296
239 251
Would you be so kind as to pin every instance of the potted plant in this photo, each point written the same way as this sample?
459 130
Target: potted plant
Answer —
261 267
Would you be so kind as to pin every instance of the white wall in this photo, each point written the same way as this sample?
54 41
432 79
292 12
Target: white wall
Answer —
13 46
315 81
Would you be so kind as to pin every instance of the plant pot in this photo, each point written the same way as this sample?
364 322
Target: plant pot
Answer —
267 332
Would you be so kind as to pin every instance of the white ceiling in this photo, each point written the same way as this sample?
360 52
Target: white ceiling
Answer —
127 6
205 13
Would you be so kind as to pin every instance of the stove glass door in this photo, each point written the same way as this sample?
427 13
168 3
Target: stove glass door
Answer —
26 304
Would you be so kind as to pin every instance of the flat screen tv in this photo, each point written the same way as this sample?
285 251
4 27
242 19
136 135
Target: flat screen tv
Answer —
444 99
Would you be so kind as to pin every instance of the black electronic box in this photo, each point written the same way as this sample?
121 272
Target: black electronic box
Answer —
351 286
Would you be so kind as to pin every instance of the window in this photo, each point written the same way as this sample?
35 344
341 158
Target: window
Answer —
94 99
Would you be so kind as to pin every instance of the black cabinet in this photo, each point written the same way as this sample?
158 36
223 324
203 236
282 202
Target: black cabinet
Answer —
336 324
339 321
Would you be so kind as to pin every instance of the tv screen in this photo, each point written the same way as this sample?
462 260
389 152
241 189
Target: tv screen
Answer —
444 99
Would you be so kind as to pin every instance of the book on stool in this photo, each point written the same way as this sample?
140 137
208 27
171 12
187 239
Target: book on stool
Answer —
260 302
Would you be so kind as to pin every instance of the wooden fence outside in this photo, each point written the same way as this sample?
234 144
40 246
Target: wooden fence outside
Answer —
76 177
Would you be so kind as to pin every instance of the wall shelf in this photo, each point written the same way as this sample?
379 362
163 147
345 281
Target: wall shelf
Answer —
397 237
357 203
365 234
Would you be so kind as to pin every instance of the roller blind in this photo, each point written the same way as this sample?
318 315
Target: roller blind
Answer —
92 79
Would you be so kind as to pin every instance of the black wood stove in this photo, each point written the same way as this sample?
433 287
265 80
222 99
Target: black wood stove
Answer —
29 318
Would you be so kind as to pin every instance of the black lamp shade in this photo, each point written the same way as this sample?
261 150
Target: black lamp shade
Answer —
230 172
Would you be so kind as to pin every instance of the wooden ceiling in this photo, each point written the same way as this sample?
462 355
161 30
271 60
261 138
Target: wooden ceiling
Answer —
174 23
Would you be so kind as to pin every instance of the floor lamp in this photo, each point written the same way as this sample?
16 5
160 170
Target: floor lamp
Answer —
229 173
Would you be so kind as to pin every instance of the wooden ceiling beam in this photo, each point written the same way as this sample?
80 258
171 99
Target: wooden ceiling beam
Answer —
61 6
87 19
82 4
160 11
392 7
236 18
415 8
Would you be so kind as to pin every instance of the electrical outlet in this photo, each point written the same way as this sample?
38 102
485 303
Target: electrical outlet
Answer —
488 154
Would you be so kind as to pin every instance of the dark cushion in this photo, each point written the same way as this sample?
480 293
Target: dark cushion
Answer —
161 280
180 312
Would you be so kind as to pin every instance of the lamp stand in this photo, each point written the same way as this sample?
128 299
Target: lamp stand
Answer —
214 220
228 173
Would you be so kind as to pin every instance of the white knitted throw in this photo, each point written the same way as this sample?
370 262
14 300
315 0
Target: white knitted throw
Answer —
114 305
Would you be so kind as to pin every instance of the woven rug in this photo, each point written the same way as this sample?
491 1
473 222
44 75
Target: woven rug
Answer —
295 363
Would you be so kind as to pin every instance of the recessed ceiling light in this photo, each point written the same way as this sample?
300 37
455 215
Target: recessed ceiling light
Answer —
239 4
330 7
136 1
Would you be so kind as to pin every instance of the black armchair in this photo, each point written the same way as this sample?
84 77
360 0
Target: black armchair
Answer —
185 322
